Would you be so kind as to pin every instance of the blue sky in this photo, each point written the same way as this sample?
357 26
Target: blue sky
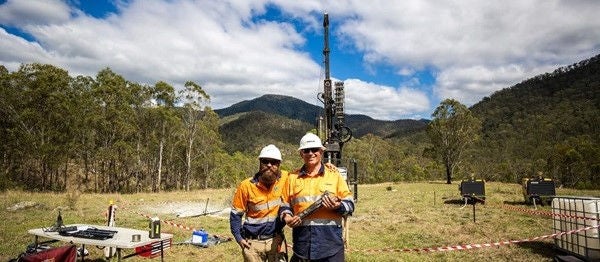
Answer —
397 59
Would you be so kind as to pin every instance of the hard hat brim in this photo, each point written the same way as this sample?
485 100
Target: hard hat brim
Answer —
309 146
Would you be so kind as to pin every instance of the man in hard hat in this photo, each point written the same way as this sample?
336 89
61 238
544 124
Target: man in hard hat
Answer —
318 236
259 197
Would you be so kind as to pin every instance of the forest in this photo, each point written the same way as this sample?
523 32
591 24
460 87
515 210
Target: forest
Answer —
108 134
549 124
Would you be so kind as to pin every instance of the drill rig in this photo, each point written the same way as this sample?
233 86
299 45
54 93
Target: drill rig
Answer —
332 128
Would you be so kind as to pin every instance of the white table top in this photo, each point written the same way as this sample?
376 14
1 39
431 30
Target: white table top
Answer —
121 239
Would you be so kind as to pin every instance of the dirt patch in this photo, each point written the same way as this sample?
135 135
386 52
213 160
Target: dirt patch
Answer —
188 209
22 205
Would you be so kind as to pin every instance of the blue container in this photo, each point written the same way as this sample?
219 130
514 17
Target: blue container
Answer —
199 237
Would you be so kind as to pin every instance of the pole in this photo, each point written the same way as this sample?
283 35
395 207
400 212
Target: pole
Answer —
206 205
474 202
331 151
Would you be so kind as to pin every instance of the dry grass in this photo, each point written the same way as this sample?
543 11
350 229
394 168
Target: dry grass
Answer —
410 215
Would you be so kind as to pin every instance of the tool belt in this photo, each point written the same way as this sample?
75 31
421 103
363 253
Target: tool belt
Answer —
259 237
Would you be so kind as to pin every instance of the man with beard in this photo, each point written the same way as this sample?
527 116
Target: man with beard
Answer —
259 197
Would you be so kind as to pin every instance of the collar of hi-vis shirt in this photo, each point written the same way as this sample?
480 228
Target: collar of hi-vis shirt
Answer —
304 173
258 184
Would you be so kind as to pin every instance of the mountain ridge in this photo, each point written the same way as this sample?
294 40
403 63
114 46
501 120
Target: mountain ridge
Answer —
297 109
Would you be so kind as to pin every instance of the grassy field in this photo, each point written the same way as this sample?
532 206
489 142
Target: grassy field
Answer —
388 219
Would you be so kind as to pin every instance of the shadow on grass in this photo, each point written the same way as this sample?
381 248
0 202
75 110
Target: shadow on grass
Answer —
462 202
542 248
454 202
515 203
438 182
525 204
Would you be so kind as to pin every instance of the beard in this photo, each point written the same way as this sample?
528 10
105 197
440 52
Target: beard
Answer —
268 176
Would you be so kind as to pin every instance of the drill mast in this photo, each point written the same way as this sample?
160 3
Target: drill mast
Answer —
332 128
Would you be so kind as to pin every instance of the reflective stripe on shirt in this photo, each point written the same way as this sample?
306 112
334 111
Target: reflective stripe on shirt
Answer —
322 222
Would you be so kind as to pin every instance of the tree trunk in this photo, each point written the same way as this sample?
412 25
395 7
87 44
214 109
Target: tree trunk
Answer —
206 177
86 170
159 173
448 174
188 164
66 178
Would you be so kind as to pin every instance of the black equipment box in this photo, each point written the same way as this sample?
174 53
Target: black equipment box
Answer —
538 189
472 188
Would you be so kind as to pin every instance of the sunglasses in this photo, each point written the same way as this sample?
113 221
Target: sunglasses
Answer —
314 150
269 161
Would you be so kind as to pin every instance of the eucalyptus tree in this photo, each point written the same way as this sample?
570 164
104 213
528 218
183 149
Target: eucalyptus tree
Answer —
139 102
39 112
208 147
116 129
373 154
9 125
83 147
451 131
164 114
200 127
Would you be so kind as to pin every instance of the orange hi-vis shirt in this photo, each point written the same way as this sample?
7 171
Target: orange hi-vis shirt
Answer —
260 205
320 233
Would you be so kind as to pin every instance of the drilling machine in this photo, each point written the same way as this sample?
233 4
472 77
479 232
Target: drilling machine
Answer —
332 128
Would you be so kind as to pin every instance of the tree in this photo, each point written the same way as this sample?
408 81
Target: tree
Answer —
165 100
116 128
194 101
35 101
84 136
451 131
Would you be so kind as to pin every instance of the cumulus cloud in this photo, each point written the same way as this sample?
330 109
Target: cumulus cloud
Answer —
383 102
177 41
33 12
27 50
477 46
473 48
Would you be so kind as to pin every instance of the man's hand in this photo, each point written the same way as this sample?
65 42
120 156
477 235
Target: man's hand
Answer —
244 244
331 202
292 221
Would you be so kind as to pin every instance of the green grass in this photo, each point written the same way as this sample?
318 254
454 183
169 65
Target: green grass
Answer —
410 215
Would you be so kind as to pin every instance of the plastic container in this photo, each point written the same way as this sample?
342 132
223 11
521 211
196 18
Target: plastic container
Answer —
573 213
199 237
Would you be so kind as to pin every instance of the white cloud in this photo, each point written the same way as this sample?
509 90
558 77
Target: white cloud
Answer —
26 50
33 12
207 42
383 102
470 84
475 47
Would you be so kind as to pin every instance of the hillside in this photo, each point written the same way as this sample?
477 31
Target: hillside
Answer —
277 104
362 125
568 100
548 123
297 109
249 131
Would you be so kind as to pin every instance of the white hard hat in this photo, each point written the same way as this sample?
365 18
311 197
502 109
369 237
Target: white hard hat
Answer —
270 151
310 140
